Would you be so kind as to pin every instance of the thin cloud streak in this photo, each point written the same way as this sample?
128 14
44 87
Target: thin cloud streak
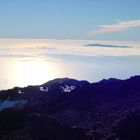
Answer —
117 27
107 46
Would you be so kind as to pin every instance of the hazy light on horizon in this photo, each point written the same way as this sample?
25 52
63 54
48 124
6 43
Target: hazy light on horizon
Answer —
31 62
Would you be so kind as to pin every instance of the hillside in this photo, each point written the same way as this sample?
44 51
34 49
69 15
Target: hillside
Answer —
73 110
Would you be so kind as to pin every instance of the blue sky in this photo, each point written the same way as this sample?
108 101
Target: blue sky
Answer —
70 19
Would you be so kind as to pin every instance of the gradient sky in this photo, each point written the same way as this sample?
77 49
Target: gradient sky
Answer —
70 19
82 39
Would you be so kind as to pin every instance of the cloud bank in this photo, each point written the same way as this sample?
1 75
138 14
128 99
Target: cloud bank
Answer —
121 26
55 50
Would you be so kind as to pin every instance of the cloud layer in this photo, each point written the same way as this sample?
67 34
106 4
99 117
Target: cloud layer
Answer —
121 26
107 46
54 50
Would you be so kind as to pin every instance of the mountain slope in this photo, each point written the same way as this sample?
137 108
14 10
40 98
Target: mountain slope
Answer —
79 110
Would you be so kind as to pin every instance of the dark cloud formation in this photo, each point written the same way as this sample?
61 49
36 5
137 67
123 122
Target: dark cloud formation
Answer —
107 46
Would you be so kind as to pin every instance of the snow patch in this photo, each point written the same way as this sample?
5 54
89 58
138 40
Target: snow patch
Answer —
20 92
67 88
44 89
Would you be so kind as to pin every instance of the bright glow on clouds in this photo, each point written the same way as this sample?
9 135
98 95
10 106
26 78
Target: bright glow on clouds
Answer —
27 62
117 27
54 50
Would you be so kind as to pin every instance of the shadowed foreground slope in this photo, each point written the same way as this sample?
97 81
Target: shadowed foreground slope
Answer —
73 110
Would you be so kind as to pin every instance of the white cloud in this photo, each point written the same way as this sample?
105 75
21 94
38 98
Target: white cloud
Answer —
117 27
57 50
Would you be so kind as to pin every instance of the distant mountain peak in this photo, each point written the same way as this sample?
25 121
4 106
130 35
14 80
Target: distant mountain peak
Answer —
68 81
137 77
110 80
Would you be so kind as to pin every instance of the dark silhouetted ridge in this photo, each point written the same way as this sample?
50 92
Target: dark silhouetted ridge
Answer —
70 109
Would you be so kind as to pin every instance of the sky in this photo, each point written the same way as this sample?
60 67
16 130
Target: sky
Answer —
70 19
89 40
35 61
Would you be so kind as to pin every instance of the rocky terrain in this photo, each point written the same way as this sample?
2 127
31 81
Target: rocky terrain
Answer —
68 109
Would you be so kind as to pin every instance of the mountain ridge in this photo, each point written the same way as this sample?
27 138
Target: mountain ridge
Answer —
88 110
